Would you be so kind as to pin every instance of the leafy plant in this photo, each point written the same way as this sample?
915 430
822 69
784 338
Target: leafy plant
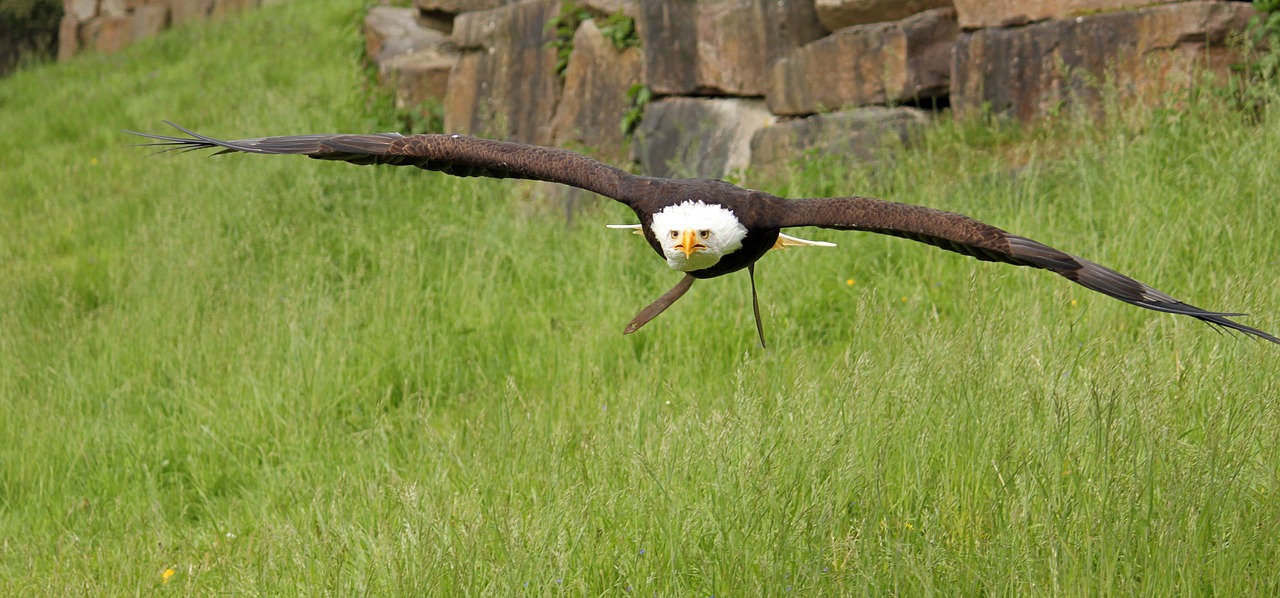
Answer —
1264 37
564 25
426 117
620 30
638 95
35 10
1267 23
30 29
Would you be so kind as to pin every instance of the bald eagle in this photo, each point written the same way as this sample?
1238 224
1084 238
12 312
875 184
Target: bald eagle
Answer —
707 228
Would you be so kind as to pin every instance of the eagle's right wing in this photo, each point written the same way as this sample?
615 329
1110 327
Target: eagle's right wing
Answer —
458 155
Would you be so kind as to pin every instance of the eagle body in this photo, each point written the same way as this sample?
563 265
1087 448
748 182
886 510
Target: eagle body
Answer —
745 207
708 228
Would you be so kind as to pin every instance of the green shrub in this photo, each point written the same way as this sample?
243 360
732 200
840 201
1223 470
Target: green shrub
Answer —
28 31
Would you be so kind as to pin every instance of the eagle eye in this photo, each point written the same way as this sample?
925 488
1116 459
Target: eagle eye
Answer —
704 233
675 235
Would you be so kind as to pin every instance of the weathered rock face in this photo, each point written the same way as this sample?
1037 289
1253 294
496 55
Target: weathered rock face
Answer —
720 46
149 20
699 137
421 76
631 8
186 11
112 8
504 84
412 60
1029 72
857 135
838 14
68 36
81 10
594 99
439 14
974 14
867 64
459 6
391 31
104 34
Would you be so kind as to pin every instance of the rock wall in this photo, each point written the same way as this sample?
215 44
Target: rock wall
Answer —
108 25
731 84
712 87
1036 69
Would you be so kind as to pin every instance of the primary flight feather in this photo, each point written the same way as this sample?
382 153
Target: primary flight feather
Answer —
707 228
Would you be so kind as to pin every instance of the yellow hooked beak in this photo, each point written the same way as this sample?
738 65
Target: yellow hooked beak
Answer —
689 242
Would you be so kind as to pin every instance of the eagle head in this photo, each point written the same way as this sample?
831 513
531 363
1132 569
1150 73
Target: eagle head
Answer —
695 235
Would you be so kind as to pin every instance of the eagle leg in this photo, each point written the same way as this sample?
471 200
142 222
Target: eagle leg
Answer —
660 305
755 304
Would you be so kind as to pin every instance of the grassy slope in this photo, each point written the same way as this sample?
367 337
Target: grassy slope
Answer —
274 375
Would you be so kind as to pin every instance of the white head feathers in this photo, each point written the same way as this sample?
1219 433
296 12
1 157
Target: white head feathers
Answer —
715 227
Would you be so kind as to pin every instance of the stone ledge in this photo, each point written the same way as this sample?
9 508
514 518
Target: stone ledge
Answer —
975 14
413 61
699 137
720 47
838 14
505 84
594 98
1031 71
867 64
860 135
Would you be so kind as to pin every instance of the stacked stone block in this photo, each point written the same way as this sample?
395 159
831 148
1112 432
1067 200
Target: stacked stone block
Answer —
1033 70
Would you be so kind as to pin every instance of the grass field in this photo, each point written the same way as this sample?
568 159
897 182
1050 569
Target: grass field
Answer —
275 376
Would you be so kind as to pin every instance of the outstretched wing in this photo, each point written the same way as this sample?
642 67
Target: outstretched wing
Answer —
962 234
458 155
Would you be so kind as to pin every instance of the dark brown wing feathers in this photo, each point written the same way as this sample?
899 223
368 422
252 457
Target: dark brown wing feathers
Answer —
469 156
458 155
953 232
961 234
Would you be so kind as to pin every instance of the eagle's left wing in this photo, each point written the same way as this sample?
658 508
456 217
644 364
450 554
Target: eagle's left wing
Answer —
962 234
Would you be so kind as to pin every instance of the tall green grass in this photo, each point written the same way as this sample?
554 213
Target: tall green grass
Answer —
279 376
